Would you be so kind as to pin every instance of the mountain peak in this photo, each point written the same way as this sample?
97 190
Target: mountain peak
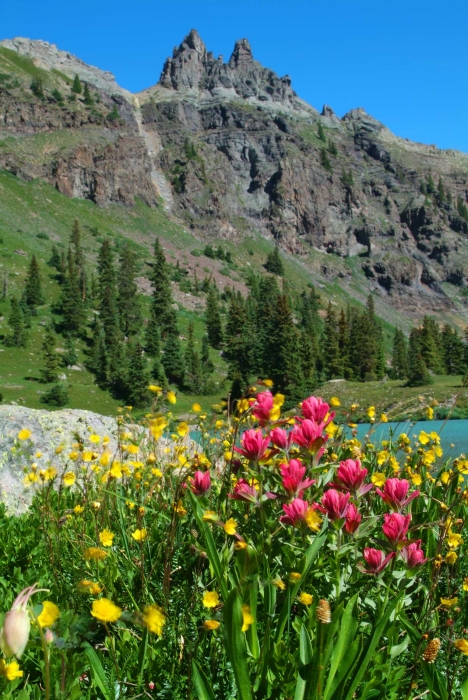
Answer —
242 54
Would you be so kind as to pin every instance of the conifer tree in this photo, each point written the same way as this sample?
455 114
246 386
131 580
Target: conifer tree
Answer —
76 86
71 300
75 244
99 359
70 357
109 315
5 286
205 359
128 302
274 264
173 360
237 352
162 300
152 338
325 160
417 370
52 360
87 99
321 133
138 378
343 342
399 355
19 336
331 349
453 349
56 396
55 260
214 327
32 293
284 365
193 371
430 342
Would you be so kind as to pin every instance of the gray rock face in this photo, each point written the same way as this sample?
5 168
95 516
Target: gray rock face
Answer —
49 430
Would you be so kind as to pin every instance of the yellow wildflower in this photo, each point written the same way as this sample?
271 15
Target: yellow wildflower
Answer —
445 476
461 645
305 598
267 382
294 577
88 456
279 583
69 479
105 610
155 389
78 509
378 479
95 554
240 544
451 558
247 617
90 587
371 411
230 526
171 397
430 412
313 520
210 599
210 516
454 540
383 418
139 535
211 624
106 537
196 408
24 435
465 583
95 439
448 602
423 438
116 470
179 508
416 479
49 614
335 402
154 618
182 429
50 473
382 457
10 671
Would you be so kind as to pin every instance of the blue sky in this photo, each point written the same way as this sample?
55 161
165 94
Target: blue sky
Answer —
404 61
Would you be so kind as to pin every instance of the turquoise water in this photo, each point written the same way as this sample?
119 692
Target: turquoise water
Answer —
453 434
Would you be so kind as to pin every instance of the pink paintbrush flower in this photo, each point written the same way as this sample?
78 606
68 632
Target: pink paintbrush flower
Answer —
293 477
263 406
375 560
335 504
281 438
243 491
254 445
295 512
350 476
413 555
395 493
317 410
395 527
309 434
353 519
200 483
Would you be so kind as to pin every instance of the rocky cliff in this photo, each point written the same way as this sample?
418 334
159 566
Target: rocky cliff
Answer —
231 148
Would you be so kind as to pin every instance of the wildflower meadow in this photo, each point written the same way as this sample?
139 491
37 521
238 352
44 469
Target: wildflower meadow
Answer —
250 553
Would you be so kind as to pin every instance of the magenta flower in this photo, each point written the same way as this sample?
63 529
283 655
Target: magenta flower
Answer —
200 483
353 518
395 493
395 527
375 560
281 438
309 434
412 555
350 477
317 410
295 512
335 504
243 491
263 406
293 478
254 445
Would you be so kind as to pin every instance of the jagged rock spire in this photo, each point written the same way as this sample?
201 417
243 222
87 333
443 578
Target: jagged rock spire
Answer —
242 54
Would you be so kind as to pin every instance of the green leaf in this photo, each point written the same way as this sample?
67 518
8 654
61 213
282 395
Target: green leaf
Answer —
201 683
305 662
348 628
210 546
236 645
303 569
464 689
99 675
371 646
252 635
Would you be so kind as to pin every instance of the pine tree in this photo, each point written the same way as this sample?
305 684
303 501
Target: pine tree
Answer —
138 378
453 349
332 149
162 301
71 300
70 357
19 336
321 133
331 349
55 259
343 343
214 327
128 302
399 355
32 293
52 360
274 264
237 352
431 345
5 286
99 359
56 396
205 359
173 361
87 99
193 371
75 244
417 370
76 86
325 160
37 88
152 338
108 312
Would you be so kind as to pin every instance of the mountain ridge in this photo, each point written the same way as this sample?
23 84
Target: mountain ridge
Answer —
230 148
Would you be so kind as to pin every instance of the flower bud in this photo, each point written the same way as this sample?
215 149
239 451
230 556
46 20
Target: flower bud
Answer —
15 633
49 636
